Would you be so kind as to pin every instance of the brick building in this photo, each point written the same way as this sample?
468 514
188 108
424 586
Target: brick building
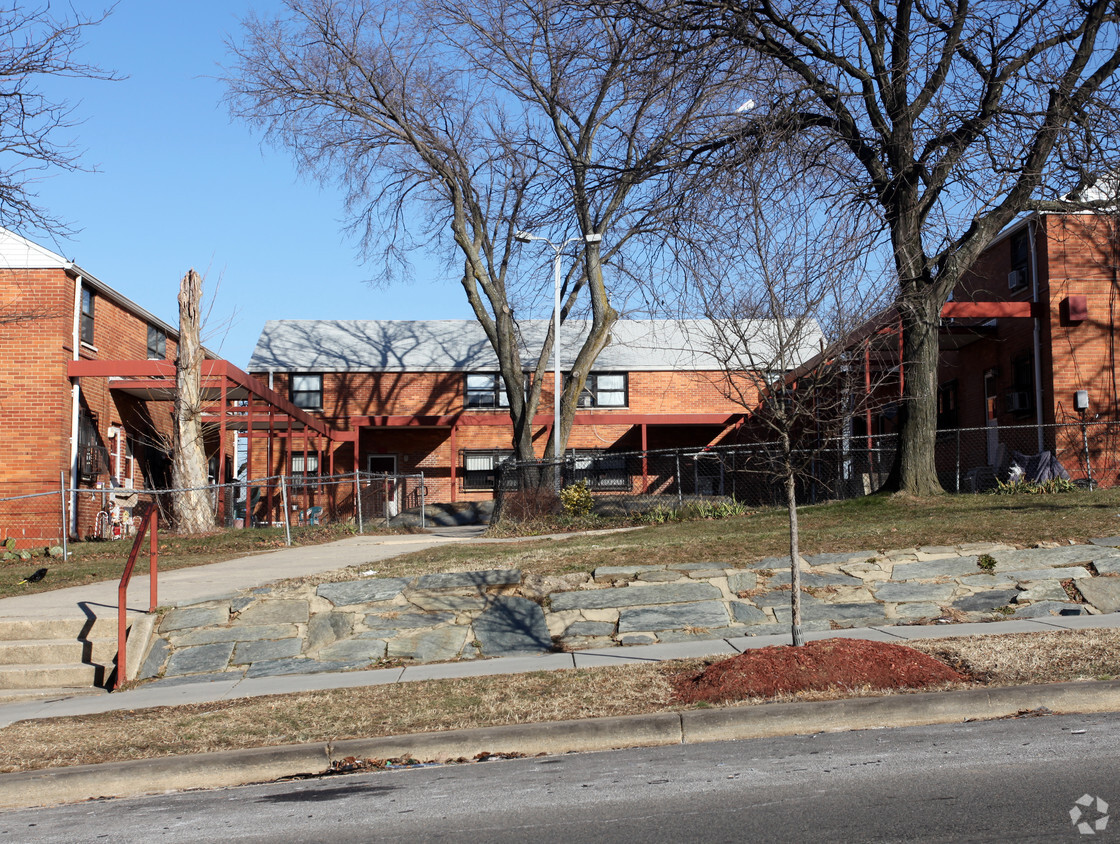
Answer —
425 396
56 428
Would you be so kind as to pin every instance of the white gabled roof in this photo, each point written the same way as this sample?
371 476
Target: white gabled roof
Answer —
19 253
294 345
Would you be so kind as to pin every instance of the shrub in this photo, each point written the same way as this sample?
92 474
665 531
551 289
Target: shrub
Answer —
577 500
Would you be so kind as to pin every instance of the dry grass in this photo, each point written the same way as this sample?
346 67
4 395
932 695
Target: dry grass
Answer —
487 701
877 522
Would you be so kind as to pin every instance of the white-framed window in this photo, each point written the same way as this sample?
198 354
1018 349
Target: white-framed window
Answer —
604 389
601 470
486 389
306 391
157 343
86 331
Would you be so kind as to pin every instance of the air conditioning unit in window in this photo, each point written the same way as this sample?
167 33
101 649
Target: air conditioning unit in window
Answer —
1016 279
1018 400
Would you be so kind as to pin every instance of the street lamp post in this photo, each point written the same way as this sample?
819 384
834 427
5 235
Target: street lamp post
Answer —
558 249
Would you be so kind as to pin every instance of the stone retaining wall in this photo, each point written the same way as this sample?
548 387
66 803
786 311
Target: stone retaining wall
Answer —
288 629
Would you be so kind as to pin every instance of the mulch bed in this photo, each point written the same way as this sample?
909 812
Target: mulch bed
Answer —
842 664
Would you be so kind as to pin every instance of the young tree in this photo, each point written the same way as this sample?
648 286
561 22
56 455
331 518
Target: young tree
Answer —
779 315
952 118
453 125
37 44
194 509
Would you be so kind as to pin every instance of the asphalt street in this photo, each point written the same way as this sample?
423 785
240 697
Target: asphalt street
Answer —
1015 779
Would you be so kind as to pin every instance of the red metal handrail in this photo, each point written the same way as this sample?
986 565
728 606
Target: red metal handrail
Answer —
149 520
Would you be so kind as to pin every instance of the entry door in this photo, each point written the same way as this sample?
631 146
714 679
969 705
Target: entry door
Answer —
991 411
386 464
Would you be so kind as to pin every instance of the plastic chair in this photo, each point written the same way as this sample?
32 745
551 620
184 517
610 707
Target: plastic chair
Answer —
311 515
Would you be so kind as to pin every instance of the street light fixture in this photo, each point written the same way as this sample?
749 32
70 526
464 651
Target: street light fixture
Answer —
558 249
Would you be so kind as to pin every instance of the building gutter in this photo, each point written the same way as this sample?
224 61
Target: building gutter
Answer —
75 405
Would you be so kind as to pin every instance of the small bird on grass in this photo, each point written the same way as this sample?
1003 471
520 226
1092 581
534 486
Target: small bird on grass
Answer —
34 578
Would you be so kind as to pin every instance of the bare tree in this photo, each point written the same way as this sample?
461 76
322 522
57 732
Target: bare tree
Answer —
454 124
779 317
194 510
952 118
36 45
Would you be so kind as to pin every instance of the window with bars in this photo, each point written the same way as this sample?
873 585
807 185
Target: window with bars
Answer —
306 391
601 471
305 469
480 468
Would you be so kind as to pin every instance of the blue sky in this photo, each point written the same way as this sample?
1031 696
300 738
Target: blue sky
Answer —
178 184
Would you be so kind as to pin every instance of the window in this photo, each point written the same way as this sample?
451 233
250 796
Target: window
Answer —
480 468
604 389
305 468
947 405
157 343
307 391
1021 398
601 471
1019 276
486 389
86 332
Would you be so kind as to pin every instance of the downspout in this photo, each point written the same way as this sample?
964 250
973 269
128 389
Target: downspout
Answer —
1037 340
75 406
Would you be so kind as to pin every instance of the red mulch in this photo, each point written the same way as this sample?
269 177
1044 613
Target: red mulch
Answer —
816 666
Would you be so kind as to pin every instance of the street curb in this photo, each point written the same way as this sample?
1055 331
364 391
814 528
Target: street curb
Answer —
241 767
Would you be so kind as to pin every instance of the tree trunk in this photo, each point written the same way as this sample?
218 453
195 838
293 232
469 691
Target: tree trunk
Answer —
794 545
915 465
192 504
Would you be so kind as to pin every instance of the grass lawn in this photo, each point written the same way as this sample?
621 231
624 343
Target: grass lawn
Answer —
490 701
878 522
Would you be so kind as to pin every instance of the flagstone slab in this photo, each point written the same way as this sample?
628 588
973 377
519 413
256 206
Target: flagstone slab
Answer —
203 659
873 613
365 647
512 625
466 579
619 572
1048 609
839 559
153 662
589 628
1043 590
1033 558
1109 565
368 591
182 618
298 665
436 602
326 627
809 578
985 601
746 614
246 652
389 624
437 645
1102 592
275 611
937 593
742 581
213 635
632 596
918 610
661 576
781 597
673 617
931 569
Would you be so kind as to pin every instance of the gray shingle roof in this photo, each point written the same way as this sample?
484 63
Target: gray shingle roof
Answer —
294 345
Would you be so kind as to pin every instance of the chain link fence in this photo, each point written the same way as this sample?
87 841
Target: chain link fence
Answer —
967 460
109 512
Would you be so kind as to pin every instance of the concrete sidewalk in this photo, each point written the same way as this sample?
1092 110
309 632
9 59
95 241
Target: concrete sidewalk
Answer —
221 580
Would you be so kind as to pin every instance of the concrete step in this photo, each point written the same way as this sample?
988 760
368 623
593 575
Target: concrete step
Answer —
70 675
15 629
53 693
57 651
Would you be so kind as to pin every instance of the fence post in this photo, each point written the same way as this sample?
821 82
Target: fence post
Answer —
284 504
358 498
958 459
423 516
680 493
62 500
